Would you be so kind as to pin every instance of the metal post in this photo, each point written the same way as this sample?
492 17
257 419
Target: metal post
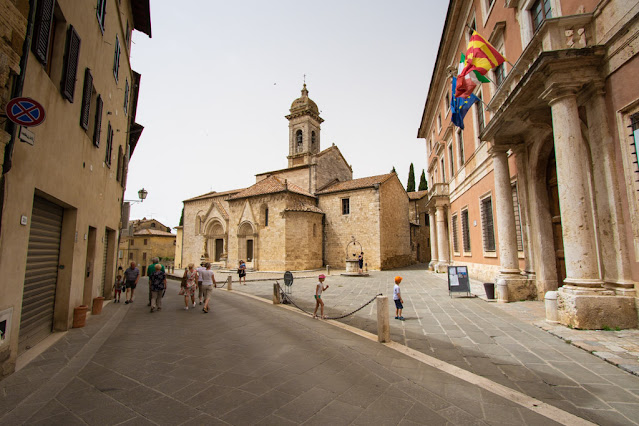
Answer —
383 322
229 283
276 294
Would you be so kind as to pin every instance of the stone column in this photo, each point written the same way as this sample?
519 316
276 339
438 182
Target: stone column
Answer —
521 159
511 285
580 247
580 301
433 240
442 240
610 220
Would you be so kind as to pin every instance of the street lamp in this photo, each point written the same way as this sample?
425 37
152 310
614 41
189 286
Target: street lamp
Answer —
142 193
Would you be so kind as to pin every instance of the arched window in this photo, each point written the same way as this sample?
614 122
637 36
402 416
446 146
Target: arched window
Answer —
266 216
298 141
314 229
198 225
313 139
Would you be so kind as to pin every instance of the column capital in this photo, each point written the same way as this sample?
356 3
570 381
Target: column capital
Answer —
557 91
497 150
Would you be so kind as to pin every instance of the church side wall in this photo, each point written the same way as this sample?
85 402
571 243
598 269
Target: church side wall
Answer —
362 222
303 241
331 166
395 229
193 242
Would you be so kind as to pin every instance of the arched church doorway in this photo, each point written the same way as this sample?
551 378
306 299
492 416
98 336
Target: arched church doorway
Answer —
215 241
246 242
555 214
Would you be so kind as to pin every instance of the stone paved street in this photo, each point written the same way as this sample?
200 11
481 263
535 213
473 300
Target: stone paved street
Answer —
482 338
249 362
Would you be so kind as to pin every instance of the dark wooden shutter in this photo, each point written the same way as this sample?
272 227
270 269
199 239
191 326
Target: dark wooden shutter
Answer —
109 144
70 70
487 224
42 31
455 234
118 171
98 121
86 99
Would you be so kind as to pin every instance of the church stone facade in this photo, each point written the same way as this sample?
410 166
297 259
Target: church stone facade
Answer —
304 216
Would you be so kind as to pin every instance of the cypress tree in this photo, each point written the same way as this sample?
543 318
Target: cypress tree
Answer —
423 185
410 187
182 218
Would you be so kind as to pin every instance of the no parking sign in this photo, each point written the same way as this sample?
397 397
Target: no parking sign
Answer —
25 112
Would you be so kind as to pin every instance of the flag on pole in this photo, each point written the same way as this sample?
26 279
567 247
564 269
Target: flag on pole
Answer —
481 56
462 105
466 83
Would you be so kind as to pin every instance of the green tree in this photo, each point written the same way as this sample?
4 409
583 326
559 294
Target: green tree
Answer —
423 185
410 187
182 218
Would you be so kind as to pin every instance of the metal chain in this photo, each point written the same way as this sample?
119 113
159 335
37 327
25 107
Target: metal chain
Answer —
330 318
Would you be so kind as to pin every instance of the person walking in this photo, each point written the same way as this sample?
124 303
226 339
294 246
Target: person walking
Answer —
199 281
360 261
241 271
119 285
208 281
150 271
397 298
319 288
191 275
158 287
132 276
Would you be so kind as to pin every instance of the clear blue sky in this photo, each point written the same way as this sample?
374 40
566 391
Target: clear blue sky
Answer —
218 77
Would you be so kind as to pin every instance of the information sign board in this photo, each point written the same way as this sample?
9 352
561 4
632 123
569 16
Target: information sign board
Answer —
458 281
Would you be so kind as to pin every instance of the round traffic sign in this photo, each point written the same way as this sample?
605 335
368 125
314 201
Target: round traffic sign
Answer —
288 278
25 112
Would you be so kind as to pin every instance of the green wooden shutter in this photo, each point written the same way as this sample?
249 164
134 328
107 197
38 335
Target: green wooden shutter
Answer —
70 70
86 99
98 121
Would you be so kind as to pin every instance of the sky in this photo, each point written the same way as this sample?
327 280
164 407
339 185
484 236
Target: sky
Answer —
218 77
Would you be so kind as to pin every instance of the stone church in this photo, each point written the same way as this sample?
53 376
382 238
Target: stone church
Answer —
305 216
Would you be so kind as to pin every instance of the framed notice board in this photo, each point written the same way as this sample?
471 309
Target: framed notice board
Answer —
458 280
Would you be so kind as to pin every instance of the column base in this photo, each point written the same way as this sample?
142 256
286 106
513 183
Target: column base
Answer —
432 265
595 309
514 288
442 267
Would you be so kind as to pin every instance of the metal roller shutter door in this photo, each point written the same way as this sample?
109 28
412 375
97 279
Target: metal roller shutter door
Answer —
36 320
104 264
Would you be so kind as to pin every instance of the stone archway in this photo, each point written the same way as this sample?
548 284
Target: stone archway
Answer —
541 219
216 241
247 243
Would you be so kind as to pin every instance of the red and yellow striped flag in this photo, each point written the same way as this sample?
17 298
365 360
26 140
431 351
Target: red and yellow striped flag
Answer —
481 56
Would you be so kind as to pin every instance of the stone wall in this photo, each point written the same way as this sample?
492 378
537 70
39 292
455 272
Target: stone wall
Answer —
303 241
395 228
363 223
298 176
330 166
141 254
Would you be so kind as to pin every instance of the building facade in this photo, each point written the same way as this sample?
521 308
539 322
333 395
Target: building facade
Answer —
63 181
143 240
539 192
304 216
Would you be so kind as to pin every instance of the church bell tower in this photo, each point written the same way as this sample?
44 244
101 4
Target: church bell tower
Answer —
303 130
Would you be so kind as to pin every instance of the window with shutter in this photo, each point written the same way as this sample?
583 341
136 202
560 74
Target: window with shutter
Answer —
634 162
520 242
465 231
86 99
126 96
118 172
109 145
488 230
43 30
455 227
67 85
98 121
116 58
100 12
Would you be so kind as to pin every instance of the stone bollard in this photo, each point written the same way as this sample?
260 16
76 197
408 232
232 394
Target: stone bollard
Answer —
328 270
229 283
552 313
276 294
502 290
383 322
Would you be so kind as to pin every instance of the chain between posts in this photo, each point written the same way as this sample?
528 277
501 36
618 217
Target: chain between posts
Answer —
285 296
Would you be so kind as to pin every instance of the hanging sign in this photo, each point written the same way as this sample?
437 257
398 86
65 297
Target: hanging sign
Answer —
25 112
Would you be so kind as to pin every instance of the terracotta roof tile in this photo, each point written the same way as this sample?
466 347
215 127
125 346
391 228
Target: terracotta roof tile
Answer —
303 207
417 195
356 183
154 232
214 194
270 185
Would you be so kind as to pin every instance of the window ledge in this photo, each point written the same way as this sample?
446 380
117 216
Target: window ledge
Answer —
491 254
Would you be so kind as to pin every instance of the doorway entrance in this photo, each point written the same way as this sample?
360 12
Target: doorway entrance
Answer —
555 214
249 250
219 249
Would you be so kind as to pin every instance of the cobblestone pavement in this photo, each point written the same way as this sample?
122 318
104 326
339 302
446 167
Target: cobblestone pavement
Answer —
246 362
483 338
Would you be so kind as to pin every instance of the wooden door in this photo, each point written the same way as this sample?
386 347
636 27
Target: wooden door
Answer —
219 249
555 213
